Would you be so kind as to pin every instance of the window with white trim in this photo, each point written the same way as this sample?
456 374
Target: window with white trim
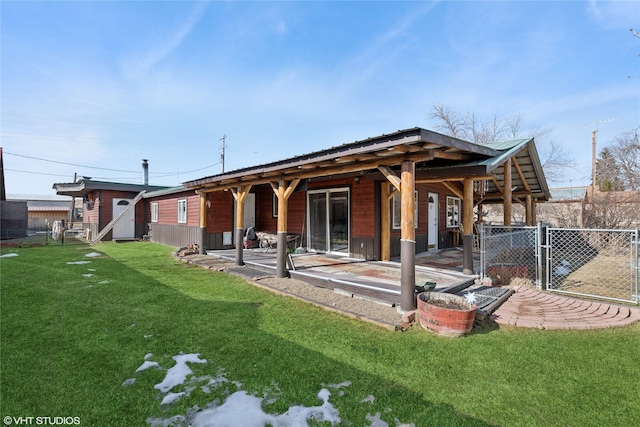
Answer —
182 211
454 207
274 205
396 210
154 212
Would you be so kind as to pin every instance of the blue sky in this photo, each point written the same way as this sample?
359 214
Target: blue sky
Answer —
107 84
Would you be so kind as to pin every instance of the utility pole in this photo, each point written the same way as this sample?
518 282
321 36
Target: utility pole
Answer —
594 137
222 148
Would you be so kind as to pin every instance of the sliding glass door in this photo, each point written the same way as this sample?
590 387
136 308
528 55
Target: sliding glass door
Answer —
328 223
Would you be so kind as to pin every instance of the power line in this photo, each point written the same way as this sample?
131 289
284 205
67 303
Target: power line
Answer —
155 174
35 173
69 164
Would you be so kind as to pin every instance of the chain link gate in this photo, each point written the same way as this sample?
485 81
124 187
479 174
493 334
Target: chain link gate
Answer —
511 254
593 263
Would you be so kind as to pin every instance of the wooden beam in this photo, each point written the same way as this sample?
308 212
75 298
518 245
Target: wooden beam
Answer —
497 184
326 169
391 176
453 189
520 174
529 210
439 154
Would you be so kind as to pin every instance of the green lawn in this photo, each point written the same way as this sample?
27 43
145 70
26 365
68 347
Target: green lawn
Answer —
71 334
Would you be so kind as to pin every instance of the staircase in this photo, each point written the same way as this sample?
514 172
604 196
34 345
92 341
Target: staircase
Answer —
109 226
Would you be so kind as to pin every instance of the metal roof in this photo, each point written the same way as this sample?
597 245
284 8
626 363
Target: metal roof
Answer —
568 194
85 186
437 157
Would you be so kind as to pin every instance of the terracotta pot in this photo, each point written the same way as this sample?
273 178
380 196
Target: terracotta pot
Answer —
450 322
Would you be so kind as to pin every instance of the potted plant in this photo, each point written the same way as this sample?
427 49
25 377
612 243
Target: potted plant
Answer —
446 314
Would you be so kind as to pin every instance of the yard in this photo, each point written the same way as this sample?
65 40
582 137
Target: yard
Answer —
126 335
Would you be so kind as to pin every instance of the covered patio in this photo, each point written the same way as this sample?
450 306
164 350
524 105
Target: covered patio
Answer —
370 280
393 164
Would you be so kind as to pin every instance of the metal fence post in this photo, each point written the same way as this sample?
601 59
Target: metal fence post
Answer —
539 243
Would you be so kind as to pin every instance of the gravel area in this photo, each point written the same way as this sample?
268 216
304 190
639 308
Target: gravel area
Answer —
380 314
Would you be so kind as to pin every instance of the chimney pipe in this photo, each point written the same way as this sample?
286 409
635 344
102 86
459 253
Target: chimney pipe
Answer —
145 172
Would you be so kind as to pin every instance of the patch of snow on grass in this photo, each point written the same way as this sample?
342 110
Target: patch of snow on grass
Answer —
369 399
93 254
240 408
147 365
78 262
87 275
128 382
9 255
171 398
179 372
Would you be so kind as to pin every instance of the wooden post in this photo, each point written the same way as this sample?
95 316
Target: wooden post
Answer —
467 227
203 222
283 192
407 237
507 193
534 214
240 194
529 210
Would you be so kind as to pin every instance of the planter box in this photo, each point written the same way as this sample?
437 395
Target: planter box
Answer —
445 314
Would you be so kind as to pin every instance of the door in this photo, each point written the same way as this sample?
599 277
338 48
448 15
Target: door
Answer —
249 211
328 224
125 227
432 220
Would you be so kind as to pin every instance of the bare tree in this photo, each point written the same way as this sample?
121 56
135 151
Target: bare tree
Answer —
626 151
470 127
555 160
612 210
450 122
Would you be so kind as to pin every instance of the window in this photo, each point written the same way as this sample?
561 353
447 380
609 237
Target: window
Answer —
396 210
154 212
182 211
453 211
274 205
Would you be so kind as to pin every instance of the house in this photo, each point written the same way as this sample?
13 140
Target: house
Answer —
395 194
102 201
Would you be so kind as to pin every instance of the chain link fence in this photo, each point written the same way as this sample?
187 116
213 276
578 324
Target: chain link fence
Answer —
590 262
593 263
24 238
510 254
